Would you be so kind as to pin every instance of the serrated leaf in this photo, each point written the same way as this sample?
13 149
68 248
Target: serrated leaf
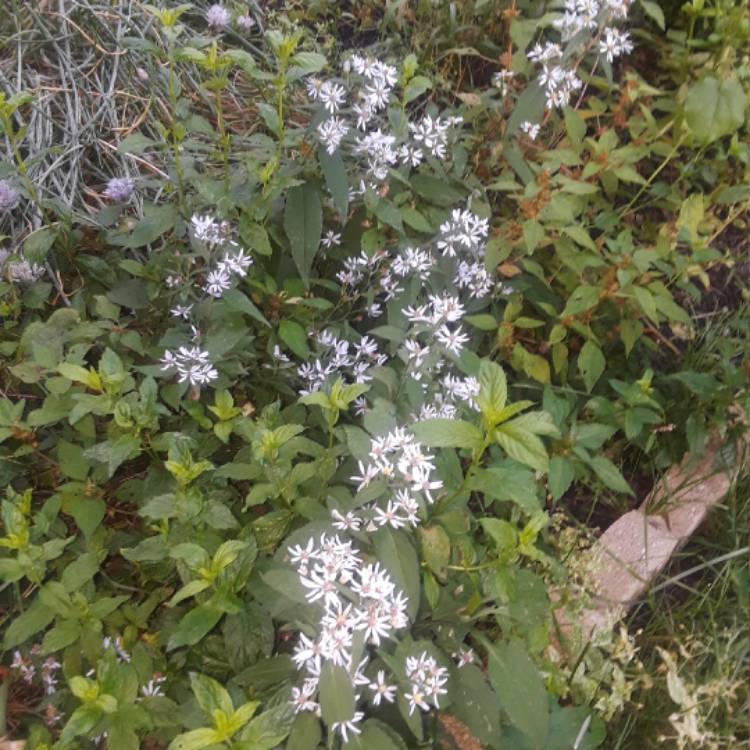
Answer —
522 445
714 108
447 433
561 475
610 475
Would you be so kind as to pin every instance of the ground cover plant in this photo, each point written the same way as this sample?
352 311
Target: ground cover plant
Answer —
330 332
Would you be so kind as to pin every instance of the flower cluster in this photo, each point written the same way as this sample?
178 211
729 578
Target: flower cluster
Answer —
20 271
427 680
355 597
119 189
434 334
9 196
350 362
192 364
27 671
401 461
580 21
361 110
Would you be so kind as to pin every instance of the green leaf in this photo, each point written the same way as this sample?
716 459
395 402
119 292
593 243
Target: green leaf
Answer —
132 293
336 694
194 626
436 548
334 172
210 694
522 445
377 735
254 235
575 125
493 391
399 557
115 452
435 190
561 476
28 624
156 220
503 534
653 9
447 433
195 740
88 513
714 108
294 336
610 475
475 703
516 485
248 635
303 224
416 87
81 721
519 686
80 571
582 298
72 462
61 636
591 364
237 301
268 730
305 734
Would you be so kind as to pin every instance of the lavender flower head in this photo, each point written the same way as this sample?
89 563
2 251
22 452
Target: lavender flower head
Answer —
245 22
9 197
119 189
218 17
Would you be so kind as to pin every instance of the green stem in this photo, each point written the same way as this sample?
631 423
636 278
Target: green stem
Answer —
3 706
175 143
652 177
223 139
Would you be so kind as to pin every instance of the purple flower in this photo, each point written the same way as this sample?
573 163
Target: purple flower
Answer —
245 22
218 17
9 197
119 189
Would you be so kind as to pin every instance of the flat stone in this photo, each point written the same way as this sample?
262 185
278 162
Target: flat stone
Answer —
637 547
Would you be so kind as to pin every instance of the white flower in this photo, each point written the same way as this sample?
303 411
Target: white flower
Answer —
205 228
331 239
332 132
181 311
381 690
416 698
531 129
217 282
615 43
302 698
342 727
348 522
153 686
192 364
501 79
332 96
237 264
464 657
453 341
